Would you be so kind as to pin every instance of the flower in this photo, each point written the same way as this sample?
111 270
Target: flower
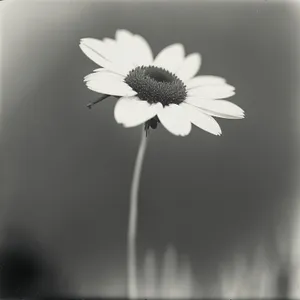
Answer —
156 90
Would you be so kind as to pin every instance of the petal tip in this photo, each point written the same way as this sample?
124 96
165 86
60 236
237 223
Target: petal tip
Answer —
122 33
219 132
197 56
184 134
181 47
84 40
177 47
241 114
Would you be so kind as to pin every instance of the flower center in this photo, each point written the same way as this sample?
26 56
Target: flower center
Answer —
154 84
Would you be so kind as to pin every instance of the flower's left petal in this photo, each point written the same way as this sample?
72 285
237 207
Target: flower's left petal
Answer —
131 111
190 67
201 120
95 74
212 91
170 58
95 50
109 83
175 120
218 108
120 52
105 54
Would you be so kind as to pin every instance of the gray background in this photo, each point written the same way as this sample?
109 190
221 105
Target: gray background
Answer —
66 170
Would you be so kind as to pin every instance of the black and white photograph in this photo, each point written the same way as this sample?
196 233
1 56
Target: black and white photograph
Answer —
150 149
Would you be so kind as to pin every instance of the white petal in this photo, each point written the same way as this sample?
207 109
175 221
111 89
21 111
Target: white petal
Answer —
117 53
204 80
111 44
170 57
95 76
95 50
124 36
112 49
142 50
175 120
212 91
201 120
134 48
125 46
106 82
218 108
105 54
190 66
131 111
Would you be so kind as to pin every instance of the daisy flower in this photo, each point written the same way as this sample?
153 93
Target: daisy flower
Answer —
165 90
156 90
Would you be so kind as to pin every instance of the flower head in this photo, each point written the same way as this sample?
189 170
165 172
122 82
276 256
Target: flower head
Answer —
156 90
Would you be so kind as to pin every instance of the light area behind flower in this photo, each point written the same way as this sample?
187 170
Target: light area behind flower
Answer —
171 279
241 279
238 278
205 94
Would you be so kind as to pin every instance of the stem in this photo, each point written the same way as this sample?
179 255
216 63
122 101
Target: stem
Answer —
132 227
91 104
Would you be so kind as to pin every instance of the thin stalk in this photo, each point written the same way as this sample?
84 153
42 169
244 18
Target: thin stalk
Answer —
133 218
91 104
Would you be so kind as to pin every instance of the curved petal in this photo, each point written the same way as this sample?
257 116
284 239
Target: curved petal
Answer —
133 49
201 120
125 49
121 52
212 91
175 120
95 50
109 83
121 55
204 80
99 73
111 46
170 57
131 111
190 66
114 52
123 36
143 52
105 54
218 108
112 49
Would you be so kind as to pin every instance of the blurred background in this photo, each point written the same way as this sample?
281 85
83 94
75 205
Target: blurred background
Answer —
225 207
